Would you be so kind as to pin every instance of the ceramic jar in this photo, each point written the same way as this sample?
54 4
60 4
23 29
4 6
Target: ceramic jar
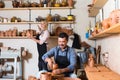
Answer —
14 32
32 78
2 4
106 23
45 76
49 17
118 15
55 66
70 3
113 16
15 3
64 3
91 61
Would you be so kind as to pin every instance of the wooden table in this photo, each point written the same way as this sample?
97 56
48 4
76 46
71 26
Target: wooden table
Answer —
100 72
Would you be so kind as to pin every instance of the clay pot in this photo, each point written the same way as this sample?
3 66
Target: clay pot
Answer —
49 17
113 16
118 15
70 3
23 34
2 34
15 3
2 4
40 4
91 61
55 66
64 3
45 76
106 23
27 4
32 78
28 34
14 32
34 4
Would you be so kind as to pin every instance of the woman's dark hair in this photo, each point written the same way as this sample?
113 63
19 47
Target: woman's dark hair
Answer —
63 35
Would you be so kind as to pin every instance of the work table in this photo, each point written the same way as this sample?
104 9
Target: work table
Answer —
100 72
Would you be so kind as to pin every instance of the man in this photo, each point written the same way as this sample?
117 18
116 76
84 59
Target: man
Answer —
64 57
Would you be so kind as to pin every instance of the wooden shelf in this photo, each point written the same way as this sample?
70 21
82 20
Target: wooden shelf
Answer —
61 22
15 23
99 3
16 37
108 32
93 11
37 8
21 37
32 22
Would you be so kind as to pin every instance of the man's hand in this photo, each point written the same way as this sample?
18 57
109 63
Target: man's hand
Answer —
60 71
50 62
57 71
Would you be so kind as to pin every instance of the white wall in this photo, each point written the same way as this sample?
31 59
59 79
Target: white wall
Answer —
82 21
111 44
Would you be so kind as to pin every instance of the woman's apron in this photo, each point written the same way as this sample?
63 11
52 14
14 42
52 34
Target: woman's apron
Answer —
42 49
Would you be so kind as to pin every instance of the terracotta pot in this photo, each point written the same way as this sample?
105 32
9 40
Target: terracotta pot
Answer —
32 78
113 16
15 3
118 15
49 17
106 23
70 3
91 60
64 3
45 76
55 66
28 34
2 4
2 34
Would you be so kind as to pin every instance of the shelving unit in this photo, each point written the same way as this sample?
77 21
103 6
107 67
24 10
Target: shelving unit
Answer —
29 22
16 37
108 32
93 11
37 8
12 55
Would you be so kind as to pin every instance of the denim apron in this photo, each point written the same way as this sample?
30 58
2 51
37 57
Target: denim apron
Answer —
63 62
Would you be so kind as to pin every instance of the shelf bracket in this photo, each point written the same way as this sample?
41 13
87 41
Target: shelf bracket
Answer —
30 18
102 14
70 11
50 11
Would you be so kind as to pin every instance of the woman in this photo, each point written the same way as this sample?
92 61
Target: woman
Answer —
41 40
